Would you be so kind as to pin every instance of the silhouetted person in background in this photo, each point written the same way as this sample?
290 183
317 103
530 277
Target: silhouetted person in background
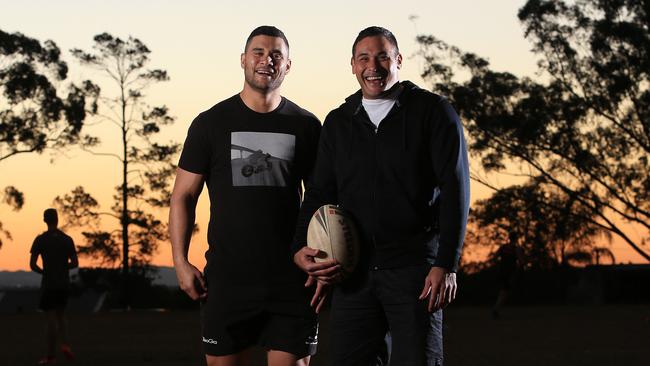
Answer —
511 259
58 257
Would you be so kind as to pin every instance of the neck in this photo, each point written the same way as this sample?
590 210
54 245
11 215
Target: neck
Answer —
51 227
260 101
391 92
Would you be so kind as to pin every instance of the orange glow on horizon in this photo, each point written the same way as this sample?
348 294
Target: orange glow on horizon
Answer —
201 49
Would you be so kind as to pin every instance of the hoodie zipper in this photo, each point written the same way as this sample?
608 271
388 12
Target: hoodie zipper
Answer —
373 197
375 132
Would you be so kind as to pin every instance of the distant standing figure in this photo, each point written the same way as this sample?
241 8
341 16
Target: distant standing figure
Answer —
510 258
58 256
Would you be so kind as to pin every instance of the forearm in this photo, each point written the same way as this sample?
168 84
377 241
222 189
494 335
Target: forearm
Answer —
35 267
314 199
181 224
452 170
454 208
320 190
74 261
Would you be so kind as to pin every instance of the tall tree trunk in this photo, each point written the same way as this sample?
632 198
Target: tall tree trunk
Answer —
125 213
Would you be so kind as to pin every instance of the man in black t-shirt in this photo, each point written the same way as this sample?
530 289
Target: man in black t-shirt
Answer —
253 151
58 256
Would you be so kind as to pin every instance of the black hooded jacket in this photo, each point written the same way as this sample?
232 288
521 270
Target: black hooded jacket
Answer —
406 183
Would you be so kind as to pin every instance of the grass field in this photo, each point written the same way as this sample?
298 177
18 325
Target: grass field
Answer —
549 335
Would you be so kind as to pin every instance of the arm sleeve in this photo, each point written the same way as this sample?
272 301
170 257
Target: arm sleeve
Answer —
320 188
450 164
71 247
308 155
195 157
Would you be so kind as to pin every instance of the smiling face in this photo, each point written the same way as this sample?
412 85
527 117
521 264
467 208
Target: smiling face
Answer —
375 63
265 62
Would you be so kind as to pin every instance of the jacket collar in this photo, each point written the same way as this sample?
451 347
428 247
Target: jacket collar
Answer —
354 105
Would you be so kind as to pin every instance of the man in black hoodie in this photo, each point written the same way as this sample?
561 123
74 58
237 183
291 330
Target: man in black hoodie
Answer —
394 156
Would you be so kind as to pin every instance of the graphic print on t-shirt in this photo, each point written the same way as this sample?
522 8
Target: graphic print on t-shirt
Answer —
261 158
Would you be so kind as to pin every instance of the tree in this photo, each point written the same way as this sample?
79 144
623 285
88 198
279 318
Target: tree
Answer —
145 164
584 134
528 216
34 116
14 199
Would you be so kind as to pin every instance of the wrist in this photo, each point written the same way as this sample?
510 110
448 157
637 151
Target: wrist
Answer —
180 260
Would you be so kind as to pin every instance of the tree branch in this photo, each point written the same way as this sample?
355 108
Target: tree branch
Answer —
103 154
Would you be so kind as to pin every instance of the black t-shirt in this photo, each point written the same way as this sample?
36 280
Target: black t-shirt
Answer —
253 164
55 248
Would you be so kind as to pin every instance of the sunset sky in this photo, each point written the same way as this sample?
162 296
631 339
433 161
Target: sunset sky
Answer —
199 43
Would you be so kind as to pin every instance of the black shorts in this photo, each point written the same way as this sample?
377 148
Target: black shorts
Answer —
53 299
234 318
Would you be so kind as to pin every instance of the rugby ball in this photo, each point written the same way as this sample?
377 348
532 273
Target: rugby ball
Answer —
332 231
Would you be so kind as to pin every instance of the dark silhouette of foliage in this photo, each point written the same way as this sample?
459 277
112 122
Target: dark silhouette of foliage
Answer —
37 112
583 135
145 164
549 228
15 199
34 116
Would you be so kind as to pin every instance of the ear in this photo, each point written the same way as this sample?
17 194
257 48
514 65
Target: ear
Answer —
352 64
288 67
242 59
399 61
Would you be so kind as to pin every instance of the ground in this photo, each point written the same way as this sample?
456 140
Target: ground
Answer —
543 335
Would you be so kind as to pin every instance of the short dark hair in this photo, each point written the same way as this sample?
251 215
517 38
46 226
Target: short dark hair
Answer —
50 216
375 31
266 30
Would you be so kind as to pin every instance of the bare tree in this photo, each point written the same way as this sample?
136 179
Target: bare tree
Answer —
145 164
